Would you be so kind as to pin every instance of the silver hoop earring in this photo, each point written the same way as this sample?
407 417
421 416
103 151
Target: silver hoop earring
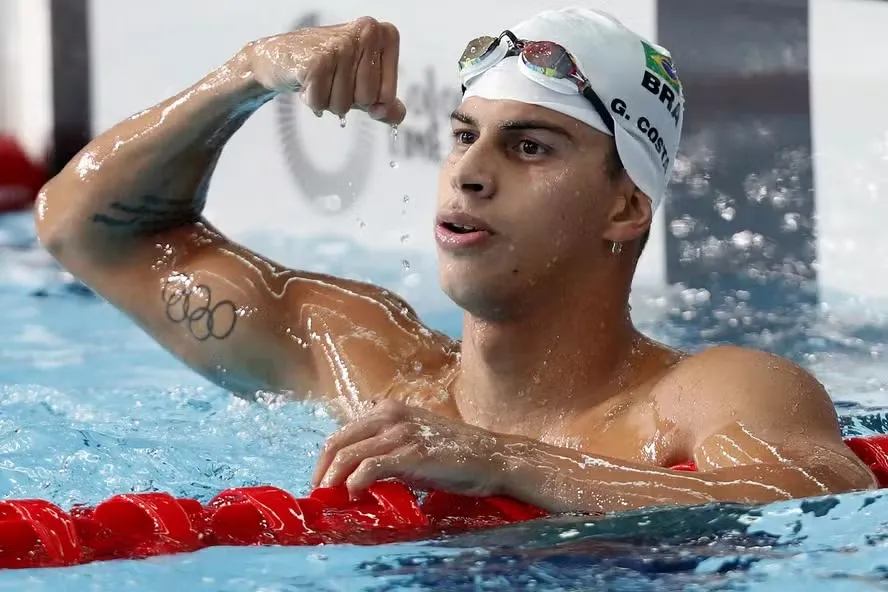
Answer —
616 248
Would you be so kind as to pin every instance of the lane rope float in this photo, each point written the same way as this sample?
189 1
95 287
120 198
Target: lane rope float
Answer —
37 533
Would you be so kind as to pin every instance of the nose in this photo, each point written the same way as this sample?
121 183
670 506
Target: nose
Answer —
474 173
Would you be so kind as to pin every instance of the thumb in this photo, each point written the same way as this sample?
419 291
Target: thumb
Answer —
393 112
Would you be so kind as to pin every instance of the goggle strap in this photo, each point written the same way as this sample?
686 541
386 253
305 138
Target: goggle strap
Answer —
599 107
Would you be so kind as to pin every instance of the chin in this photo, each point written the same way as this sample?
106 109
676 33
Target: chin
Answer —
481 293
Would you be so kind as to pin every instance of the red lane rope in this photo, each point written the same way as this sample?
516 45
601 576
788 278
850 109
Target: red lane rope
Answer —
20 176
37 533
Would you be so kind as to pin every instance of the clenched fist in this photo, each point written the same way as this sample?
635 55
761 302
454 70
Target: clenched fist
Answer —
336 68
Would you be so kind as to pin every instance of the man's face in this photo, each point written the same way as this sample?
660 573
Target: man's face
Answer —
523 198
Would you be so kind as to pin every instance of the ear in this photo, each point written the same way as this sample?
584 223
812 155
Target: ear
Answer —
630 215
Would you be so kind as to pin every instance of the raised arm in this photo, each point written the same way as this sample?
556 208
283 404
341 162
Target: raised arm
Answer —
125 216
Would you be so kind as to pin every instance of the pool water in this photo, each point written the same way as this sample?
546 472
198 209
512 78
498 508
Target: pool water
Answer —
90 407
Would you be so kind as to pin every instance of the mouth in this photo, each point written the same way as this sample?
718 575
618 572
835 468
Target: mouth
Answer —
457 231
461 228
460 223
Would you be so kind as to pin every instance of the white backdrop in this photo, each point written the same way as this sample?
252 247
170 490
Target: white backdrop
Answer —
286 173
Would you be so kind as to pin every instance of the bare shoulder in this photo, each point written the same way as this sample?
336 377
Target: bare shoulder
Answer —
726 385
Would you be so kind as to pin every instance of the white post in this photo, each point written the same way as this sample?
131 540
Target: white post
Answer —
26 73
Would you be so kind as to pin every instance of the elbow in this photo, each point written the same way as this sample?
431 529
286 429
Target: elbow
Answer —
55 229
49 231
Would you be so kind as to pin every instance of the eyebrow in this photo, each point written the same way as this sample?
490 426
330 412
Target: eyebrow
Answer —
514 124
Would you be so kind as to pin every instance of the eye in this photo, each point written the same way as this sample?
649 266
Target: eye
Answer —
463 137
531 148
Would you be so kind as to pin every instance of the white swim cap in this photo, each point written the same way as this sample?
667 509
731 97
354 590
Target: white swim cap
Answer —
634 77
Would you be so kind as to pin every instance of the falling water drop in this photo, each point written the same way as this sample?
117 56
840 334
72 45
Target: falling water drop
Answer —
394 132
405 265
406 199
393 164
405 238
331 203
342 122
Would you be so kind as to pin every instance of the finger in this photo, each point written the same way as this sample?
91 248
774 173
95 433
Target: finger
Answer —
343 84
348 435
377 468
318 82
369 73
391 47
349 458
392 113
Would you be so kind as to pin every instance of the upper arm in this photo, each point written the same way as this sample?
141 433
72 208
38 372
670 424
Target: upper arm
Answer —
250 324
753 408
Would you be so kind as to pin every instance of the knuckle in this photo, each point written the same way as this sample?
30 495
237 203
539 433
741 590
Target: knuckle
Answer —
341 46
391 32
403 431
319 62
416 450
369 465
369 36
342 457
329 445
364 24
391 409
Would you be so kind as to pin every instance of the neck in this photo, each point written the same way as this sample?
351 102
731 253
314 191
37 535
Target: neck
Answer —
559 356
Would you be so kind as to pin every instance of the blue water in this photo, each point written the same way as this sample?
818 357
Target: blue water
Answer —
90 407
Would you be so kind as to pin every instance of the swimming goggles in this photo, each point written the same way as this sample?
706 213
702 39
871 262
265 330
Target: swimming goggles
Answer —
548 63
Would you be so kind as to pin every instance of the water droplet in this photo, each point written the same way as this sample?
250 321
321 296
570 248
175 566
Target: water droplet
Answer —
332 203
742 240
393 164
681 227
405 238
791 222
319 113
406 199
405 265
361 224
394 132
342 121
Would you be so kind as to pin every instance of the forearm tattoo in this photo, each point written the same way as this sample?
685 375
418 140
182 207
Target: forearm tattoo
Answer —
150 214
193 306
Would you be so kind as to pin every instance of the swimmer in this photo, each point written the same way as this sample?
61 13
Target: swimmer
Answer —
562 148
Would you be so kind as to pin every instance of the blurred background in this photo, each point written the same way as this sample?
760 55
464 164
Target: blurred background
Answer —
773 225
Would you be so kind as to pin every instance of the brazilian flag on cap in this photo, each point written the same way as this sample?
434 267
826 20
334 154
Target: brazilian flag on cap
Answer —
661 65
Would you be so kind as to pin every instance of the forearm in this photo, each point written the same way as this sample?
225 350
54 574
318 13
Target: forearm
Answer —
150 172
565 480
